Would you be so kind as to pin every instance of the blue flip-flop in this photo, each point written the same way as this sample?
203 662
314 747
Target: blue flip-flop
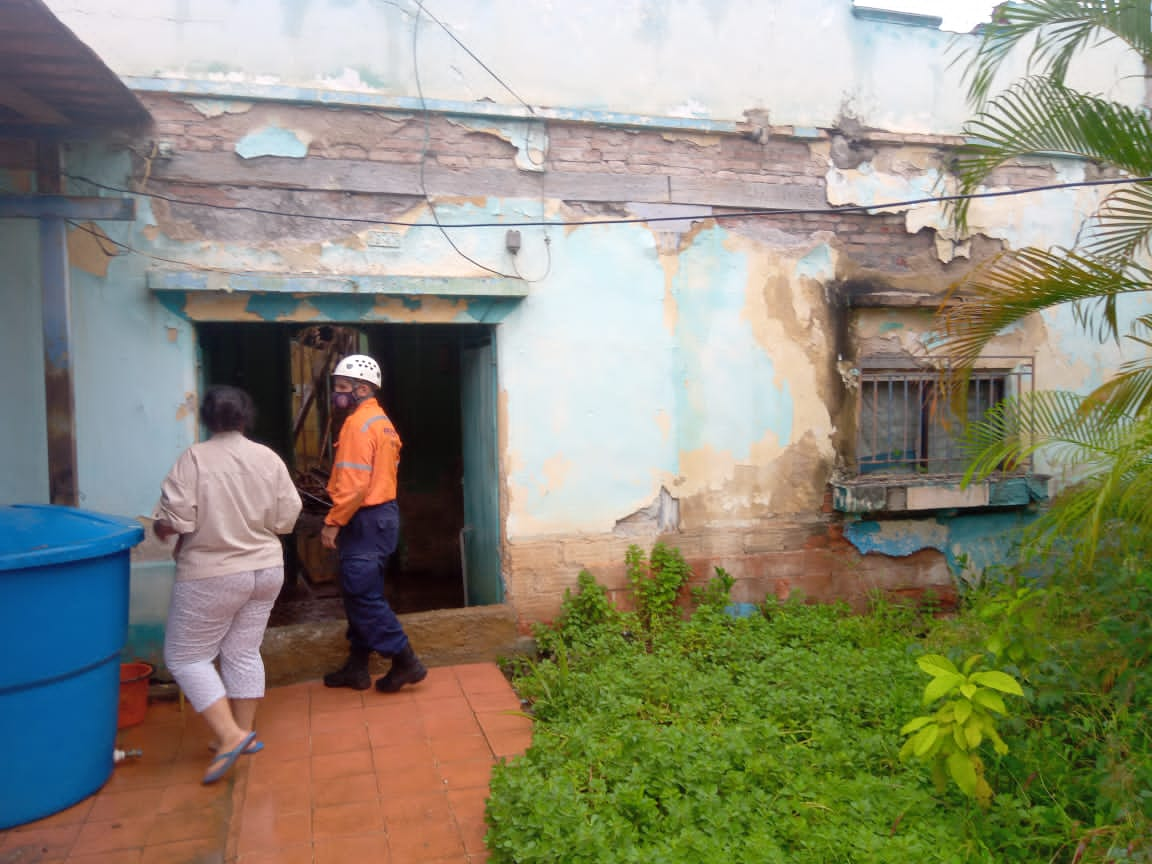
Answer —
254 747
223 763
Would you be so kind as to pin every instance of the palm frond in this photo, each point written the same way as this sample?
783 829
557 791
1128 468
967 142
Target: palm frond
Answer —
1123 224
1128 392
1061 29
1038 116
1015 284
1113 454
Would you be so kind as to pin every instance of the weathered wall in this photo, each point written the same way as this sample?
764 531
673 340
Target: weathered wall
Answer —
24 456
679 380
678 58
674 380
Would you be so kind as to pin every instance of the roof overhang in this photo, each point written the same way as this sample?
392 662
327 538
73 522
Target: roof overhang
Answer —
52 85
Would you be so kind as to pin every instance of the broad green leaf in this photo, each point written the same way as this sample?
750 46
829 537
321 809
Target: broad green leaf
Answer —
938 687
972 733
997 742
962 771
914 724
972 661
958 737
924 739
995 644
906 751
963 710
936 665
1001 681
991 700
969 690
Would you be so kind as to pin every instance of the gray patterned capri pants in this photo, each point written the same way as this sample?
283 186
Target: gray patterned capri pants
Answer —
225 617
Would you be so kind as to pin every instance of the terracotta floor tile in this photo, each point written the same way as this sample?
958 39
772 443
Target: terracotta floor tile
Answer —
455 747
427 840
345 777
363 849
418 780
452 723
345 820
139 774
268 769
341 765
281 799
440 682
481 678
209 823
184 852
113 834
288 855
468 807
466 774
510 744
343 741
345 790
401 756
416 808
39 843
268 831
123 804
73 815
188 796
496 700
119 856
391 713
401 734
337 721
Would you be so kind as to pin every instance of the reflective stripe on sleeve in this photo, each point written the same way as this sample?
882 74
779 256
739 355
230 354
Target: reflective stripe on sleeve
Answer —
355 466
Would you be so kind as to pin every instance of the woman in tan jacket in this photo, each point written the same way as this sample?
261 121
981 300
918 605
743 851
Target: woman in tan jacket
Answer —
228 499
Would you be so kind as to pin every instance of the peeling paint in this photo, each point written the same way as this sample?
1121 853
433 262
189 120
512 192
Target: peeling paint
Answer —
274 141
218 107
88 252
530 138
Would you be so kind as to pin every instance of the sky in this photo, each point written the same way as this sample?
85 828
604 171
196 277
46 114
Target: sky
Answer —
958 15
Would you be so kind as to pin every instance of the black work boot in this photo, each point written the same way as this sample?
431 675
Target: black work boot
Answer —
354 672
406 669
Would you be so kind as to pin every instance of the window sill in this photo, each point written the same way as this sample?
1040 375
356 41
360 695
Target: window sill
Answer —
926 493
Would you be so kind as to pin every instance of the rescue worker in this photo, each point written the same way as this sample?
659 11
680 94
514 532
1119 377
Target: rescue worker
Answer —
363 525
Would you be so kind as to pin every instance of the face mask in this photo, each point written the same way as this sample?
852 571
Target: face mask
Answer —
344 401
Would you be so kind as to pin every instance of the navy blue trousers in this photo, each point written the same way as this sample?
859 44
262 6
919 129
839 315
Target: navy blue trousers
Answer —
366 543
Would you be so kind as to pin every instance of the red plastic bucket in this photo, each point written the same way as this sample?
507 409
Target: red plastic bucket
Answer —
133 693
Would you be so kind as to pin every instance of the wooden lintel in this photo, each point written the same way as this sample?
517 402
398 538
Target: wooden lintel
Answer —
66 207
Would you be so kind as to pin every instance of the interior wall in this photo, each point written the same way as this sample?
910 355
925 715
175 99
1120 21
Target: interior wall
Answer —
24 456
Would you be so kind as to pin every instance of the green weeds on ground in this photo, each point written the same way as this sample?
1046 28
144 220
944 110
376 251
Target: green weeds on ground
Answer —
669 738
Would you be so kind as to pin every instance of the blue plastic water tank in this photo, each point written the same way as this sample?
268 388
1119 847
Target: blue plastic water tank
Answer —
63 621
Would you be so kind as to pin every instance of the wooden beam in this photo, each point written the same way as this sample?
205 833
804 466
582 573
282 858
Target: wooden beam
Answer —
66 207
30 107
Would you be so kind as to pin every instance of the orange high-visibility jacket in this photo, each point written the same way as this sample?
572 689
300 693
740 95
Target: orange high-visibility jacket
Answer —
367 456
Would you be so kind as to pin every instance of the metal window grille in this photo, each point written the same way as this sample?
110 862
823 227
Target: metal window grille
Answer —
907 421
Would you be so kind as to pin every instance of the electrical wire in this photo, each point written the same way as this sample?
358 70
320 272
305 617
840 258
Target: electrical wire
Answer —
424 10
638 220
101 237
427 141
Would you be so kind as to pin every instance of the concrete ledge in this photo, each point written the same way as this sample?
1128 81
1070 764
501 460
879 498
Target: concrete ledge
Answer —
914 493
304 652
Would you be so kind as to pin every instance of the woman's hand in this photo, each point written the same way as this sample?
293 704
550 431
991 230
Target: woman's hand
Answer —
163 530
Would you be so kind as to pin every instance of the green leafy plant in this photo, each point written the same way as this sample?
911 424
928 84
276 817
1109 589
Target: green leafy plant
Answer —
656 583
949 739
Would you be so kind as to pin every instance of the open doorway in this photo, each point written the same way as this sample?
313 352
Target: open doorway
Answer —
439 390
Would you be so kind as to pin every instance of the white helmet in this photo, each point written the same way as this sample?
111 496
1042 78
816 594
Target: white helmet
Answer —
359 366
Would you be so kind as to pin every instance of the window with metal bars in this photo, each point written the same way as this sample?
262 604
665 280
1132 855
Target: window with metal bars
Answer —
908 423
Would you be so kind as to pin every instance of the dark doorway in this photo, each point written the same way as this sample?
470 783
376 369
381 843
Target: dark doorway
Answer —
442 404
